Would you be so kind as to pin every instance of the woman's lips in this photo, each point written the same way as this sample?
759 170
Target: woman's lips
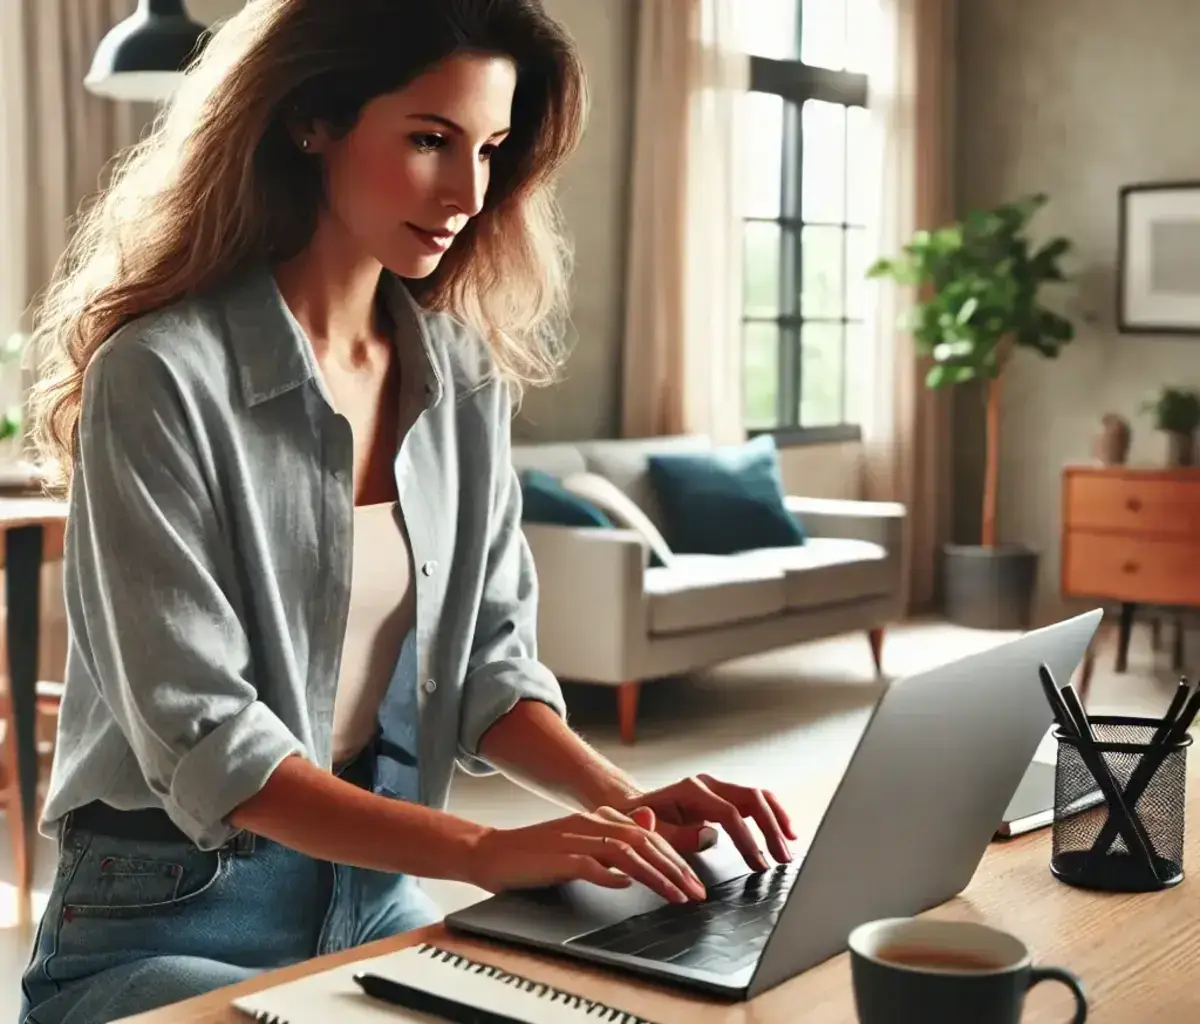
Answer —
434 241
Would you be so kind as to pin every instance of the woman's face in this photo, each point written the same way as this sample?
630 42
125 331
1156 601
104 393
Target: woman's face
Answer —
415 168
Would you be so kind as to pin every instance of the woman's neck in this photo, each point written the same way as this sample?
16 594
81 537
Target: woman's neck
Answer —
332 294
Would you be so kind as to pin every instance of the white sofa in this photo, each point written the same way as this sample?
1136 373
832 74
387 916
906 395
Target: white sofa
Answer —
606 616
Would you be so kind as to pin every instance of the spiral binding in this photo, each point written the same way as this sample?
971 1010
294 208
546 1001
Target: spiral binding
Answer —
590 1008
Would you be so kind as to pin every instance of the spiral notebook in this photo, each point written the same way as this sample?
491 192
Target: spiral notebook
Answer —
333 995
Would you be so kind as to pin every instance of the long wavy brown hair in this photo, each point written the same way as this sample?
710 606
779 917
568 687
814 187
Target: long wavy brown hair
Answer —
218 185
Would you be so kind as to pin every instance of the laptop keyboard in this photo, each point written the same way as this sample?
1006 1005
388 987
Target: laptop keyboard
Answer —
724 934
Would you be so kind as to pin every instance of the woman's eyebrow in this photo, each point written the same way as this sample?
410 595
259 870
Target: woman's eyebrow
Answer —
445 122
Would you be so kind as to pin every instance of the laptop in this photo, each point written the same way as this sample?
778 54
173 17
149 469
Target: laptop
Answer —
1032 805
939 761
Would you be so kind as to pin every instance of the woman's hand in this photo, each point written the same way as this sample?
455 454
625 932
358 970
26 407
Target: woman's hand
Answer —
606 847
685 809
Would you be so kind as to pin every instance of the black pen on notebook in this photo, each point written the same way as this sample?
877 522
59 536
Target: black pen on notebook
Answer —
398 994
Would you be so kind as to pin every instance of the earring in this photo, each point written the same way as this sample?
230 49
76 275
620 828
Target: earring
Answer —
304 144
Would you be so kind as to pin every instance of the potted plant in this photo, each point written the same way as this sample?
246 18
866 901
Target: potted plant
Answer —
1176 413
12 420
978 287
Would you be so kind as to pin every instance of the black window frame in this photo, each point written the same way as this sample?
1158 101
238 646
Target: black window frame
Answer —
796 82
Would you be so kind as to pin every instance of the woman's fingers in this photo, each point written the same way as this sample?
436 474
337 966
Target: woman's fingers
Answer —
655 849
753 803
762 812
711 807
588 869
615 853
782 816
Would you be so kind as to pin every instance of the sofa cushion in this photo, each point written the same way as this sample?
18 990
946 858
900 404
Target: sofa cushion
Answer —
545 500
826 570
559 459
725 500
620 508
625 463
700 592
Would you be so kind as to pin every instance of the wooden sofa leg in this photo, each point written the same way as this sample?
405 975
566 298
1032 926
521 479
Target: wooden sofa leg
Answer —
627 704
876 638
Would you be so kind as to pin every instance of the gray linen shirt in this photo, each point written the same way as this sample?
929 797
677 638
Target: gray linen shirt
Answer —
208 559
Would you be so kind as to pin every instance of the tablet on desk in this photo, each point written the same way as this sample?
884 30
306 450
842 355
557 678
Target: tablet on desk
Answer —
1032 805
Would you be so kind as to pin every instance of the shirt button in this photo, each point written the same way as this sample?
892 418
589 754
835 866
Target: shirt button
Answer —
429 568
430 685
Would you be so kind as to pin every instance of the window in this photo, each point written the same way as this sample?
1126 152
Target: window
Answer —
807 174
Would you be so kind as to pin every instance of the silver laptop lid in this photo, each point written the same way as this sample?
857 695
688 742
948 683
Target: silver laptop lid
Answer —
938 762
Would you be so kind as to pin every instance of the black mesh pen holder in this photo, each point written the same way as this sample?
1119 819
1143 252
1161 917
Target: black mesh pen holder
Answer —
1091 845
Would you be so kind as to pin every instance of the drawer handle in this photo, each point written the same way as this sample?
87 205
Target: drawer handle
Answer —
1129 567
1133 504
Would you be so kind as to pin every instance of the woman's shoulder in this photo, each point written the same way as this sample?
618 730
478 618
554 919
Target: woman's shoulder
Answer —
182 343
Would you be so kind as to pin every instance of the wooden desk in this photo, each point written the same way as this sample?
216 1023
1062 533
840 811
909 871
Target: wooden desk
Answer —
30 527
1135 954
1131 535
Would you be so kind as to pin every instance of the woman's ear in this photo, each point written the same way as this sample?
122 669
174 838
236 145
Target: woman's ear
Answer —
308 135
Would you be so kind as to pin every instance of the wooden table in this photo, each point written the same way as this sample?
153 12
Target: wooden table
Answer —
1131 535
1135 954
31 526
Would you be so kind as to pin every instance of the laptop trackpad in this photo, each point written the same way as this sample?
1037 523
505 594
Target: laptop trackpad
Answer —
559 913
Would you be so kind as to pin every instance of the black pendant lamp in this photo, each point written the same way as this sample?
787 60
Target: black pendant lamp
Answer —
142 58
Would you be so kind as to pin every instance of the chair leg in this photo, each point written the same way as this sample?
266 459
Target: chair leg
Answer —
1126 629
876 638
627 705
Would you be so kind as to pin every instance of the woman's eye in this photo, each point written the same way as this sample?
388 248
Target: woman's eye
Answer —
427 142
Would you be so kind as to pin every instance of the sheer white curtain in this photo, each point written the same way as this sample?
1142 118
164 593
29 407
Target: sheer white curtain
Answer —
55 138
682 340
906 428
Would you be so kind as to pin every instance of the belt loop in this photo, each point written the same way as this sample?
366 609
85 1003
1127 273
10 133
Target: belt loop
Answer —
243 844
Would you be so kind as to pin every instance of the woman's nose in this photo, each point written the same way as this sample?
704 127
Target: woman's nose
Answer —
467 189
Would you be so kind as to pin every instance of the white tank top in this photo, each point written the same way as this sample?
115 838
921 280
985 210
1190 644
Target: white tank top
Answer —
382 606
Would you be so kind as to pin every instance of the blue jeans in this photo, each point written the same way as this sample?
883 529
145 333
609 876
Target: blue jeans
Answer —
134 925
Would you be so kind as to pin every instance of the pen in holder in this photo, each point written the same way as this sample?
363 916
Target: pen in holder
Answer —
1098 847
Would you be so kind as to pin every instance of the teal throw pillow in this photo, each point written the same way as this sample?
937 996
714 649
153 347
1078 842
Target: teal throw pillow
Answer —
725 500
545 500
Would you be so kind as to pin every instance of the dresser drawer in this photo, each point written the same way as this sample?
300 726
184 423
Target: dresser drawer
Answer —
1155 507
1131 568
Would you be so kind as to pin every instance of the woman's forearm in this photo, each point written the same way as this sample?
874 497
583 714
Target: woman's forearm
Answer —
313 811
537 749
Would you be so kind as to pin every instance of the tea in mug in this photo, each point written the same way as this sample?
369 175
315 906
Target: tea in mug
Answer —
923 957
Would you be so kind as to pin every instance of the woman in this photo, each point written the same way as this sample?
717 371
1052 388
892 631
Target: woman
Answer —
281 352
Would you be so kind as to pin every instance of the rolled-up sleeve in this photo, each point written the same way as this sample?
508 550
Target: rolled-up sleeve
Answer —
156 609
504 668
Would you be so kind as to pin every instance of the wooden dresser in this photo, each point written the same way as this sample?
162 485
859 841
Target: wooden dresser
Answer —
1131 535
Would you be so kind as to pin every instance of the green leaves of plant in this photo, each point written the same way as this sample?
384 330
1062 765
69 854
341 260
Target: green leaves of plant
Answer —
979 283
1175 410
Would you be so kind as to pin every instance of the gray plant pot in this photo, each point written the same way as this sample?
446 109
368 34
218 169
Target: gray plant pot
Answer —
989 588
1181 449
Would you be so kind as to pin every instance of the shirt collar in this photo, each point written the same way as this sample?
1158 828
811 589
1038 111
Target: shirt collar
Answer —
274 355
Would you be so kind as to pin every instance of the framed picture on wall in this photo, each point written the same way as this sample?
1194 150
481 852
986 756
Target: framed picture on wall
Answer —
1158 259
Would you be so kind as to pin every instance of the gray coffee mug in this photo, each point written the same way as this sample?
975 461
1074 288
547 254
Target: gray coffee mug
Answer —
945 972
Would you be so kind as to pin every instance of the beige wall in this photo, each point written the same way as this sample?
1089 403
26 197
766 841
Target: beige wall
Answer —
208 11
823 470
1074 98
595 198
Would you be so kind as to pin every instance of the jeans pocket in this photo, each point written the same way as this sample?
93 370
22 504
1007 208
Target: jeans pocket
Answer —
116 878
